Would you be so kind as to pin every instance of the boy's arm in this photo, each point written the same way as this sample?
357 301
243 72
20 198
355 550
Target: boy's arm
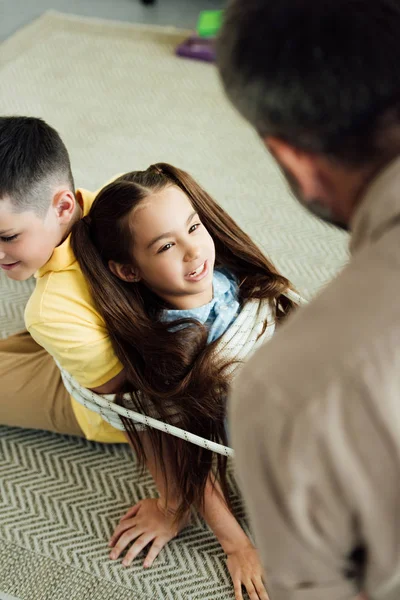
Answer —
113 386
83 349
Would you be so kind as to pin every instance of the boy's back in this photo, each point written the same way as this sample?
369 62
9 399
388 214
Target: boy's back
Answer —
61 317
38 208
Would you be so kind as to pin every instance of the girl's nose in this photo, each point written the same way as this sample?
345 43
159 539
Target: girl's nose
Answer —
192 252
2 254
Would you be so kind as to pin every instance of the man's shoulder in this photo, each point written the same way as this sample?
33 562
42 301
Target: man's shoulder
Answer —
344 340
352 323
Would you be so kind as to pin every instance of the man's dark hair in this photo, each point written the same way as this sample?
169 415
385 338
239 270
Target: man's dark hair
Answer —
33 161
322 75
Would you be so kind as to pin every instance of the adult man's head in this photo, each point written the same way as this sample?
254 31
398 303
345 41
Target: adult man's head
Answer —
320 82
37 203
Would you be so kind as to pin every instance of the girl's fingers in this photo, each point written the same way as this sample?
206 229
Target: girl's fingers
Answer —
137 547
154 551
261 591
120 529
237 586
131 512
251 590
125 539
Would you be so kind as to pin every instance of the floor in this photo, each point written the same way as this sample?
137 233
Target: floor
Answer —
181 13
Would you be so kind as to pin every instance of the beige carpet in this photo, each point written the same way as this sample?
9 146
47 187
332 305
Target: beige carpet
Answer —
121 100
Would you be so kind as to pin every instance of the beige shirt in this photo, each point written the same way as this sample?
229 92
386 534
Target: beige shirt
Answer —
315 419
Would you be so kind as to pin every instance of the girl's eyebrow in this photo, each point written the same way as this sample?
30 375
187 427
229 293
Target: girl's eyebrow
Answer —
169 233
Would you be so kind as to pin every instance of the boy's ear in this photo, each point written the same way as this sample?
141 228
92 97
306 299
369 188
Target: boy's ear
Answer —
124 272
64 203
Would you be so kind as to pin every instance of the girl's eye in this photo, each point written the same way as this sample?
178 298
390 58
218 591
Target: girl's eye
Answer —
165 248
194 227
10 238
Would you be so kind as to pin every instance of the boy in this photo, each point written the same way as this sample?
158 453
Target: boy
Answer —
38 207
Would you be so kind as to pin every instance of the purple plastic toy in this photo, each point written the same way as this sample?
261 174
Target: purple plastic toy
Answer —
197 48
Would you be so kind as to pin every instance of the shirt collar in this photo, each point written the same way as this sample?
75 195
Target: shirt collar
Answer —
379 208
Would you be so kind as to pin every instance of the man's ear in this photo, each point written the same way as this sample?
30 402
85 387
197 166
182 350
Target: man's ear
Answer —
64 204
125 272
301 165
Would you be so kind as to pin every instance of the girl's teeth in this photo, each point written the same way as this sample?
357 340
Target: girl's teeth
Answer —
197 271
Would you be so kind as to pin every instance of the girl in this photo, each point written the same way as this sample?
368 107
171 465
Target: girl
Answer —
170 273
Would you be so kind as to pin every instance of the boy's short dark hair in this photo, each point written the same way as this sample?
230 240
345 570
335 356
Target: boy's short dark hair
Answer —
33 160
322 75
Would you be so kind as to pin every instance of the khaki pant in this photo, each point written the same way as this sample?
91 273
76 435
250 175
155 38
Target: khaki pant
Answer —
32 394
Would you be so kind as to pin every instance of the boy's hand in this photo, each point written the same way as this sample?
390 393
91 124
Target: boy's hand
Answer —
146 522
245 569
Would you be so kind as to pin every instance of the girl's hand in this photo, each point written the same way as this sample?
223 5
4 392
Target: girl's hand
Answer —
146 522
245 569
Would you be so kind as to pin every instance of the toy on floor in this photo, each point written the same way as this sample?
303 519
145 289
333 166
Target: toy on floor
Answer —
209 23
197 48
201 46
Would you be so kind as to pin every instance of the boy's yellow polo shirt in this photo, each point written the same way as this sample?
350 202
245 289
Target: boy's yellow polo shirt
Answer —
61 317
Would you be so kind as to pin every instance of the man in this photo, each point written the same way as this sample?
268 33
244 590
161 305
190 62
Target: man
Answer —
315 414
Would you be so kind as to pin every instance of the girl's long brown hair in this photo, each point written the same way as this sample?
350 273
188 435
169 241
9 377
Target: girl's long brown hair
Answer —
175 370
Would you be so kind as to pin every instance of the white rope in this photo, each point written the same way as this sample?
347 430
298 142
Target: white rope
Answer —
295 297
88 398
240 340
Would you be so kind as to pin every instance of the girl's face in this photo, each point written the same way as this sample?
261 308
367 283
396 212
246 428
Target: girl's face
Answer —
173 252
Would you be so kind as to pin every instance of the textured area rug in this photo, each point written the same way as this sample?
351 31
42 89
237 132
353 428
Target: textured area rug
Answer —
121 100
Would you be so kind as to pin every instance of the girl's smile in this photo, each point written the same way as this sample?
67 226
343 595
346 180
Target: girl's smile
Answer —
199 273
